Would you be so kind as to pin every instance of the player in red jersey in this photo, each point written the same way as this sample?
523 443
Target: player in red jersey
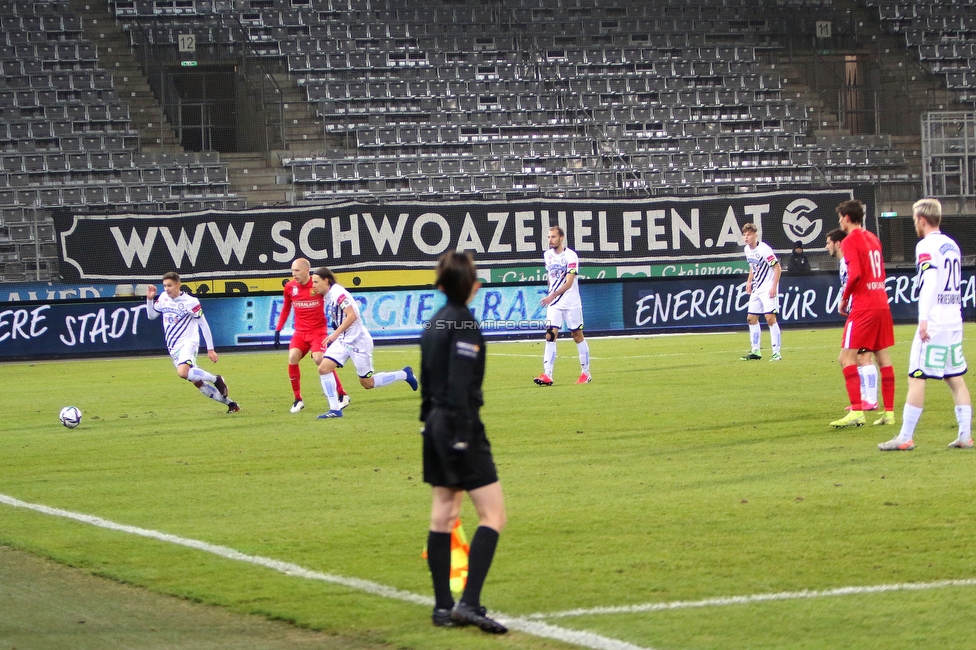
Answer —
310 329
865 303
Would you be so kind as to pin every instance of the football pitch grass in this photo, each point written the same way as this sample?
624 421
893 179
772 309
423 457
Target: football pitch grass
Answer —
639 505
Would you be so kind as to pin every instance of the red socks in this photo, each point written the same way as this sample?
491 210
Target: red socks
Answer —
888 387
339 390
853 382
295 374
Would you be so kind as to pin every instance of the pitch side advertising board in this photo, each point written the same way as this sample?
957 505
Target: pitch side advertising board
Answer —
702 302
409 236
66 329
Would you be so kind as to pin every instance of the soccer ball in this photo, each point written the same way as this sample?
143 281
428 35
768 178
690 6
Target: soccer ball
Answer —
70 416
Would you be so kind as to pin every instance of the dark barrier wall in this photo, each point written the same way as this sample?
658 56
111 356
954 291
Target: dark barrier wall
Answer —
352 236
64 329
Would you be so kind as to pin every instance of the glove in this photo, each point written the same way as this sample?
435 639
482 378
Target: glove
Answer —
277 342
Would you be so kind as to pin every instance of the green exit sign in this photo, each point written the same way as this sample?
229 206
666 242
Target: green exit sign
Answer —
188 64
888 215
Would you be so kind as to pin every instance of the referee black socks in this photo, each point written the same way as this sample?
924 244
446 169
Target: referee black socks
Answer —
439 561
479 561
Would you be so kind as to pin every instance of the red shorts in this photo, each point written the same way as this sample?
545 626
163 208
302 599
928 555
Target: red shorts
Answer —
307 341
869 329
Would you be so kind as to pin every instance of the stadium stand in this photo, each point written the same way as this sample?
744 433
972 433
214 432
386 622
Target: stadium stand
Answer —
559 99
67 141
943 34
66 137
383 100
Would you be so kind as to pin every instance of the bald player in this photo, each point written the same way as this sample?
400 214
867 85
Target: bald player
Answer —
310 329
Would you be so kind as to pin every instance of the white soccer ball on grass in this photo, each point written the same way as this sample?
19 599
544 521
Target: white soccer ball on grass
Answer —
70 416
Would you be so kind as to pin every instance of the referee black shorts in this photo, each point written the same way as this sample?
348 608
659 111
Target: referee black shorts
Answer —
444 467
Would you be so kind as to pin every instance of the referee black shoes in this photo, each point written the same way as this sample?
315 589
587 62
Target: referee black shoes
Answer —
442 618
463 614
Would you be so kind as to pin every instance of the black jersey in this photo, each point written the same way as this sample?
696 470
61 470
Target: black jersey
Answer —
452 366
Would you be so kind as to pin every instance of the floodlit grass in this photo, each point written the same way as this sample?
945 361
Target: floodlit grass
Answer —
679 474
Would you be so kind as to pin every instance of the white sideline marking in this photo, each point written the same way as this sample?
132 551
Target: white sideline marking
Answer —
533 627
757 598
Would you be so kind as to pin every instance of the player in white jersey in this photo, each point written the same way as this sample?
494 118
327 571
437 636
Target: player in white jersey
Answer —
763 289
349 340
183 322
937 346
866 369
563 306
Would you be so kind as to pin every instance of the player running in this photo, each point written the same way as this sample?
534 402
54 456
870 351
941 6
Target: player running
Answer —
865 303
349 339
183 322
310 329
563 305
762 286
937 346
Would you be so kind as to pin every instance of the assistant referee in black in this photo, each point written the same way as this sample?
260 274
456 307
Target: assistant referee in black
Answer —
457 454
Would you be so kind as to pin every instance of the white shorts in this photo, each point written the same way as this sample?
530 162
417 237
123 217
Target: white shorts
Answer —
360 351
572 317
186 353
938 358
761 303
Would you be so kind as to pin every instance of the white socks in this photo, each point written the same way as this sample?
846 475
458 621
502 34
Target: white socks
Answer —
199 374
775 337
330 390
549 358
964 416
387 378
210 391
584 355
869 383
910 417
754 334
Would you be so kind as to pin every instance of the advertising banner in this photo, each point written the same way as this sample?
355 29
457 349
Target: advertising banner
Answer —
62 329
703 302
400 314
352 236
73 328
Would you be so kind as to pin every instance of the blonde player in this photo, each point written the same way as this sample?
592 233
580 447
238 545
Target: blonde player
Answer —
937 346
183 322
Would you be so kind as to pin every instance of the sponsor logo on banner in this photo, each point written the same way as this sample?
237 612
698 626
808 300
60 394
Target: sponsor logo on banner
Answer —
357 238
797 225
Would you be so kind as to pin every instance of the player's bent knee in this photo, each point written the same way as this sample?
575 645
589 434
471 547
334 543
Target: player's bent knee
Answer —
366 382
551 334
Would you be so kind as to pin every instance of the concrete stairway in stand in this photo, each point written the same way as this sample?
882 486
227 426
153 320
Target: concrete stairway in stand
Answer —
117 57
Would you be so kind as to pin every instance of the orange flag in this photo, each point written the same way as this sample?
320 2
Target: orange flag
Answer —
459 557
